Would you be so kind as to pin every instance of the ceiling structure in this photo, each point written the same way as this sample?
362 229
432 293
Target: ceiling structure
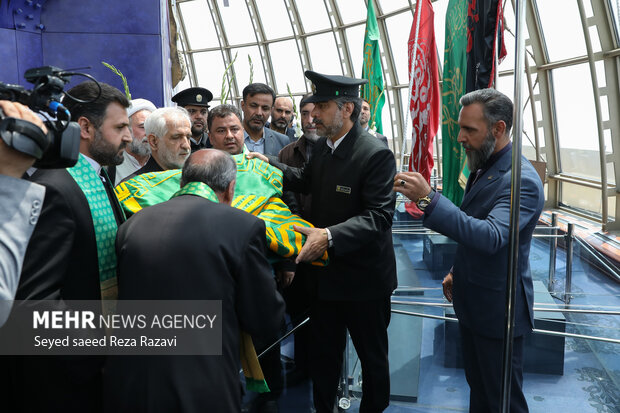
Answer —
572 88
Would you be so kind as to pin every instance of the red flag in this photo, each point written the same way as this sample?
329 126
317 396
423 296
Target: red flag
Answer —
425 99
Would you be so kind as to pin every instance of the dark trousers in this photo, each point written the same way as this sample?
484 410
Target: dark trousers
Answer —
482 357
367 322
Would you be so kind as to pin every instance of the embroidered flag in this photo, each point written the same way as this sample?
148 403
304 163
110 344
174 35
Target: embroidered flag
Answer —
425 93
257 191
372 70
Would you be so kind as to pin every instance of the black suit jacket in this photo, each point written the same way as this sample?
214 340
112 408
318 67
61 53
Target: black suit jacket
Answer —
60 264
352 196
150 166
161 256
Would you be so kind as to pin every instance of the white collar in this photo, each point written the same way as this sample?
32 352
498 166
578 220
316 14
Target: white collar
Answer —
334 145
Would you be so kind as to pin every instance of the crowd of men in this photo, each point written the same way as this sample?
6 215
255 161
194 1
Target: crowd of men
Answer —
338 174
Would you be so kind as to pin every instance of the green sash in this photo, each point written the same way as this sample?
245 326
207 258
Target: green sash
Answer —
104 224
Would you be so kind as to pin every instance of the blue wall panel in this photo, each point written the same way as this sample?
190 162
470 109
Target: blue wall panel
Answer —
138 57
8 57
28 53
78 33
110 16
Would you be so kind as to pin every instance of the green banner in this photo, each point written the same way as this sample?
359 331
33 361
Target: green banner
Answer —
455 171
372 70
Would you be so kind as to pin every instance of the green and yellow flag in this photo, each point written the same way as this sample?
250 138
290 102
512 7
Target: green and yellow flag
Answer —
372 70
455 170
257 191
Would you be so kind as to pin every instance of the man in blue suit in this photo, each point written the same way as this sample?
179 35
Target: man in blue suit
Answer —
476 283
258 99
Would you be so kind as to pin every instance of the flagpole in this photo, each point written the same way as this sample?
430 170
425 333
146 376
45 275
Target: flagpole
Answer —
411 71
515 205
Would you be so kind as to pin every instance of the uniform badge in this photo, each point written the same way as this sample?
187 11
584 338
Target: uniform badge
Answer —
198 98
343 189
313 88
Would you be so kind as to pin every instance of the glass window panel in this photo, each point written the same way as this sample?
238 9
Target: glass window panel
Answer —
199 24
616 15
242 66
324 54
577 129
352 11
237 23
509 39
183 84
587 5
604 108
563 40
391 5
594 39
439 7
275 20
581 197
600 73
209 71
607 140
398 28
355 40
611 175
313 15
287 67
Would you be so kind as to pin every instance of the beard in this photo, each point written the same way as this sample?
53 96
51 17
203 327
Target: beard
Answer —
476 158
105 153
197 131
331 130
171 160
281 123
140 147
311 135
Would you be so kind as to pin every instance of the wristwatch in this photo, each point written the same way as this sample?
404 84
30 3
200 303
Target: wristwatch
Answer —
425 201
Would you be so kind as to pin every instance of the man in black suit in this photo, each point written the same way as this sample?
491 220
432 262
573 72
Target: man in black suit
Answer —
365 120
168 131
350 178
196 101
233 269
64 261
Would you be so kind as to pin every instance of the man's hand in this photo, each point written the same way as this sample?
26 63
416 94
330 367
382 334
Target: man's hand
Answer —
412 185
447 286
12 162
315 246
257 155
285 278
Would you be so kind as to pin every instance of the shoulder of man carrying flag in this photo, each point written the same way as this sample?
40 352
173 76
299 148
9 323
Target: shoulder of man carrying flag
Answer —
257 191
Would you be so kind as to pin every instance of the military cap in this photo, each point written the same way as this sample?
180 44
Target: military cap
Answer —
198 96
328 87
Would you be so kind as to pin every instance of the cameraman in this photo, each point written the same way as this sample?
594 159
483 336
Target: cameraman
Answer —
20 206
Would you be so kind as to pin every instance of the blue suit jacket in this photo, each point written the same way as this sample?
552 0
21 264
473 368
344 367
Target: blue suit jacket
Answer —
274 141
481 228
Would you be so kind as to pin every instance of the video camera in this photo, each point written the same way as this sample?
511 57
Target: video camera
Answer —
60 147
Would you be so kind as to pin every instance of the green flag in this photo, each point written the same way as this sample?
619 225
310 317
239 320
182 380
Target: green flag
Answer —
455 170
372 70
